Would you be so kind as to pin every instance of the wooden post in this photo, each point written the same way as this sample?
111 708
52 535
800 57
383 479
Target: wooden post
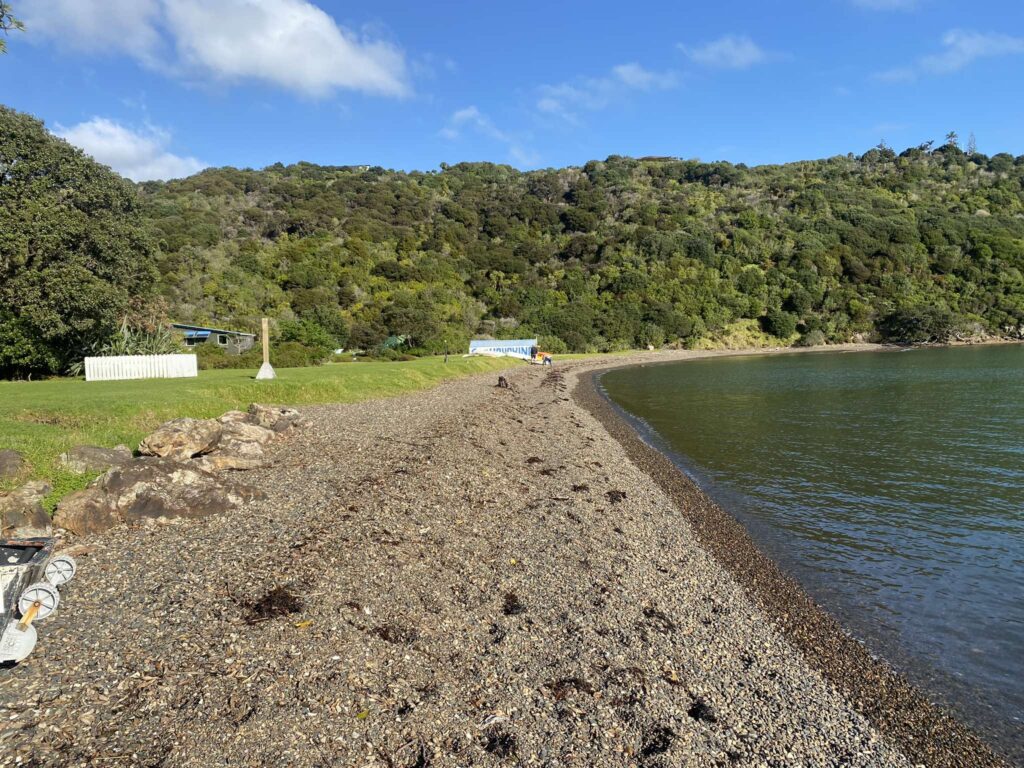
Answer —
266 370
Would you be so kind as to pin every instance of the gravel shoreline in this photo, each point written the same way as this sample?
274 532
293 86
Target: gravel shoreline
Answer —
472 576
923 731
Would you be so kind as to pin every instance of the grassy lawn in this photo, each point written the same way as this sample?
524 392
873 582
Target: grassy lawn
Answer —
45 418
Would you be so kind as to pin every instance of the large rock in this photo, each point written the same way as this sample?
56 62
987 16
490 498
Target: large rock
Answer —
91 458
232 417
240 447
149 489
21 511
218 461
240 432
86 511
182 439
12 464
275 417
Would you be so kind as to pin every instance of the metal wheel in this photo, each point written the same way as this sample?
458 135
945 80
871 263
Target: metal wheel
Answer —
60 570
45 594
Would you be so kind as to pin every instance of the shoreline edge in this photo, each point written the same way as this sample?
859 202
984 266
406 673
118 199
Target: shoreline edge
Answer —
923 731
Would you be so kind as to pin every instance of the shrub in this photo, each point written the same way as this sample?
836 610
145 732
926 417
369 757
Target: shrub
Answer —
132 341
552 344
813 338
308 333
292 354
919 324
779 323
289 354
616 345
211 357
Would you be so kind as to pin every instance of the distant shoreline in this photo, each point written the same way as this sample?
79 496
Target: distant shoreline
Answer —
924 732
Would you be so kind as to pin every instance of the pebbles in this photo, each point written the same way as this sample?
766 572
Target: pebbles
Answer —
927 734
449 604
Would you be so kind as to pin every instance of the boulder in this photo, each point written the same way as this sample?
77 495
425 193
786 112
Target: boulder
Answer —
91 458
182 439
86 511
240 447
12 464
157 488
240 432
232 417
218 461
21 511
149 489
275 417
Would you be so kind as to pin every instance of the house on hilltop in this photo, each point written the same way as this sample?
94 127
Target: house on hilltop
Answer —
232 342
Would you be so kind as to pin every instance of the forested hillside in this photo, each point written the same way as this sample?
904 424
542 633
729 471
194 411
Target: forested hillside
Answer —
924 246
616 254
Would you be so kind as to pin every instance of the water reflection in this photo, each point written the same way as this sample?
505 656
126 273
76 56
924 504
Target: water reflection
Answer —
890 484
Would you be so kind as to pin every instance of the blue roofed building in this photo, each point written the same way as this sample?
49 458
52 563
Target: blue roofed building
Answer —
233 342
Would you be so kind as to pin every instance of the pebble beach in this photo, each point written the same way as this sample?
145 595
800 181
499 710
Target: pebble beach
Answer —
470 575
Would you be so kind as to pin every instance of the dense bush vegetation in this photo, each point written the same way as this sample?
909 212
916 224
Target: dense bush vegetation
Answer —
620 253
73 251
927 245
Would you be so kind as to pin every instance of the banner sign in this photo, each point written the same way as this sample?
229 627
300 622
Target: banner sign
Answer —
521 348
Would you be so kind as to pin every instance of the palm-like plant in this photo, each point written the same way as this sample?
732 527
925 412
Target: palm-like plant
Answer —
131 341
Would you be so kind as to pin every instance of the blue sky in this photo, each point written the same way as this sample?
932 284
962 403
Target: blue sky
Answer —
162 88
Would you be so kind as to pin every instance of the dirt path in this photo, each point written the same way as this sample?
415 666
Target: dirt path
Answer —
485 578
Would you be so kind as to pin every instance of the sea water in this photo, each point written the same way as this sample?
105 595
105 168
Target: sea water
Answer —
890 484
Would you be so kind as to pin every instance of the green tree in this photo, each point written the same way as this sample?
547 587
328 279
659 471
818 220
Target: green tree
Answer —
599 257
780 323
919 324
7 24
73 250
307 333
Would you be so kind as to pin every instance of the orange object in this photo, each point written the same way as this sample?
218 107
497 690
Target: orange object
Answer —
29 616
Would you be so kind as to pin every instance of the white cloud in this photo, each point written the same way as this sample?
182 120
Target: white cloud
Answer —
960 48
122 26
473 119
289 43
727 52
897 75
139 155
565 100
635 76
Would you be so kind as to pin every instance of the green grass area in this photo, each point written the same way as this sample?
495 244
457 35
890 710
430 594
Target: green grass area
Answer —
43 419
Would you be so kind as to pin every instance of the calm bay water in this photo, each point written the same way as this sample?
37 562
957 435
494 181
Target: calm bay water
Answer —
890 484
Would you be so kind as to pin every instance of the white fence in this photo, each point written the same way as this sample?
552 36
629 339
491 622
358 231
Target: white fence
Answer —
140 367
